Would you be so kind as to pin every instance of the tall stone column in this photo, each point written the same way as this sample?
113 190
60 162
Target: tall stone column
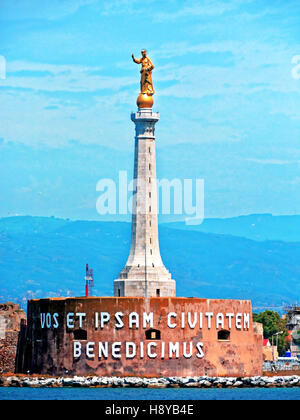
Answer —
144 273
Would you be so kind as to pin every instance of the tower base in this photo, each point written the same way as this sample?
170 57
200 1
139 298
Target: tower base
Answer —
155 337
140 288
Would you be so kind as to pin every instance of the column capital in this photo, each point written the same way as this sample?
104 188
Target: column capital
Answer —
145 114
145 120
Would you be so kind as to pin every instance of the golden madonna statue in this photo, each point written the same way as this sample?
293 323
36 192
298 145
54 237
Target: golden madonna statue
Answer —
145 99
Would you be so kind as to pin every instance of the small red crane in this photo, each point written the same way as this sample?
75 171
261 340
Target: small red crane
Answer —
89 281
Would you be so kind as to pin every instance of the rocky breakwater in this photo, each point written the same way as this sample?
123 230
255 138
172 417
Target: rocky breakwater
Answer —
167 382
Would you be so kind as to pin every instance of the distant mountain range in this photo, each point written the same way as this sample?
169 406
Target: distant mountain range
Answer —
259 227
41 257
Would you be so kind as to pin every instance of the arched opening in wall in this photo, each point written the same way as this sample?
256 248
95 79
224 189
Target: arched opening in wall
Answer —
152 334
223 335
80 334
157 292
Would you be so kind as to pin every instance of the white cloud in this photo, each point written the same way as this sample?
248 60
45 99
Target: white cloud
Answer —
257 66
113 7
61 78
33 9
273 161
35 118
203 8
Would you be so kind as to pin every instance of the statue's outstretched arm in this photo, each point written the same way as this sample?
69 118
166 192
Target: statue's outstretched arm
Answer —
136 60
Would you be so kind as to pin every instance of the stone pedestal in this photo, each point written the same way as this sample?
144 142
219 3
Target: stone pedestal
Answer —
144 273
195 327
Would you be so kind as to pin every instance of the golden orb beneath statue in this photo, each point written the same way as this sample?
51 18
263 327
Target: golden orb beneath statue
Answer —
144 101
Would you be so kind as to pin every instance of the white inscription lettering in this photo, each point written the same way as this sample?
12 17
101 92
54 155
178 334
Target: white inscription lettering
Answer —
70 320
238 321
192 324
171 315
130 350
200 353
209 316
173 348
229 316
55 323
150 354
185 354
116 350
77 349
103 350
104 318
134 320
90 349
148 319
118 317
220 321
246 321
80 315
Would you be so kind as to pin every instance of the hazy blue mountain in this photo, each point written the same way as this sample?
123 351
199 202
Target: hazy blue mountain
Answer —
259 227
42 257
30 225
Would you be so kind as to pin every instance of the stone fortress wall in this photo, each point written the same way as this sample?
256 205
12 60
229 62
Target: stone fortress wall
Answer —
150 337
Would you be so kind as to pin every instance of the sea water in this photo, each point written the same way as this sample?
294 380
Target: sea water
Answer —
171 394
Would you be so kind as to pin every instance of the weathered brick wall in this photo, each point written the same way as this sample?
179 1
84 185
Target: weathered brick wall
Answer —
11 317
8 349
51 339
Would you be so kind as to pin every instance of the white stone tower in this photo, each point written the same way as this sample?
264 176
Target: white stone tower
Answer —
144 273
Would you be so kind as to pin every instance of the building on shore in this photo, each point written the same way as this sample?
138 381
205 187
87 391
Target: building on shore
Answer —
12 324
293 326
270 353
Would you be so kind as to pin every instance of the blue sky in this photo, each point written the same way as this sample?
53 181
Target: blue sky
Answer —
227 89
